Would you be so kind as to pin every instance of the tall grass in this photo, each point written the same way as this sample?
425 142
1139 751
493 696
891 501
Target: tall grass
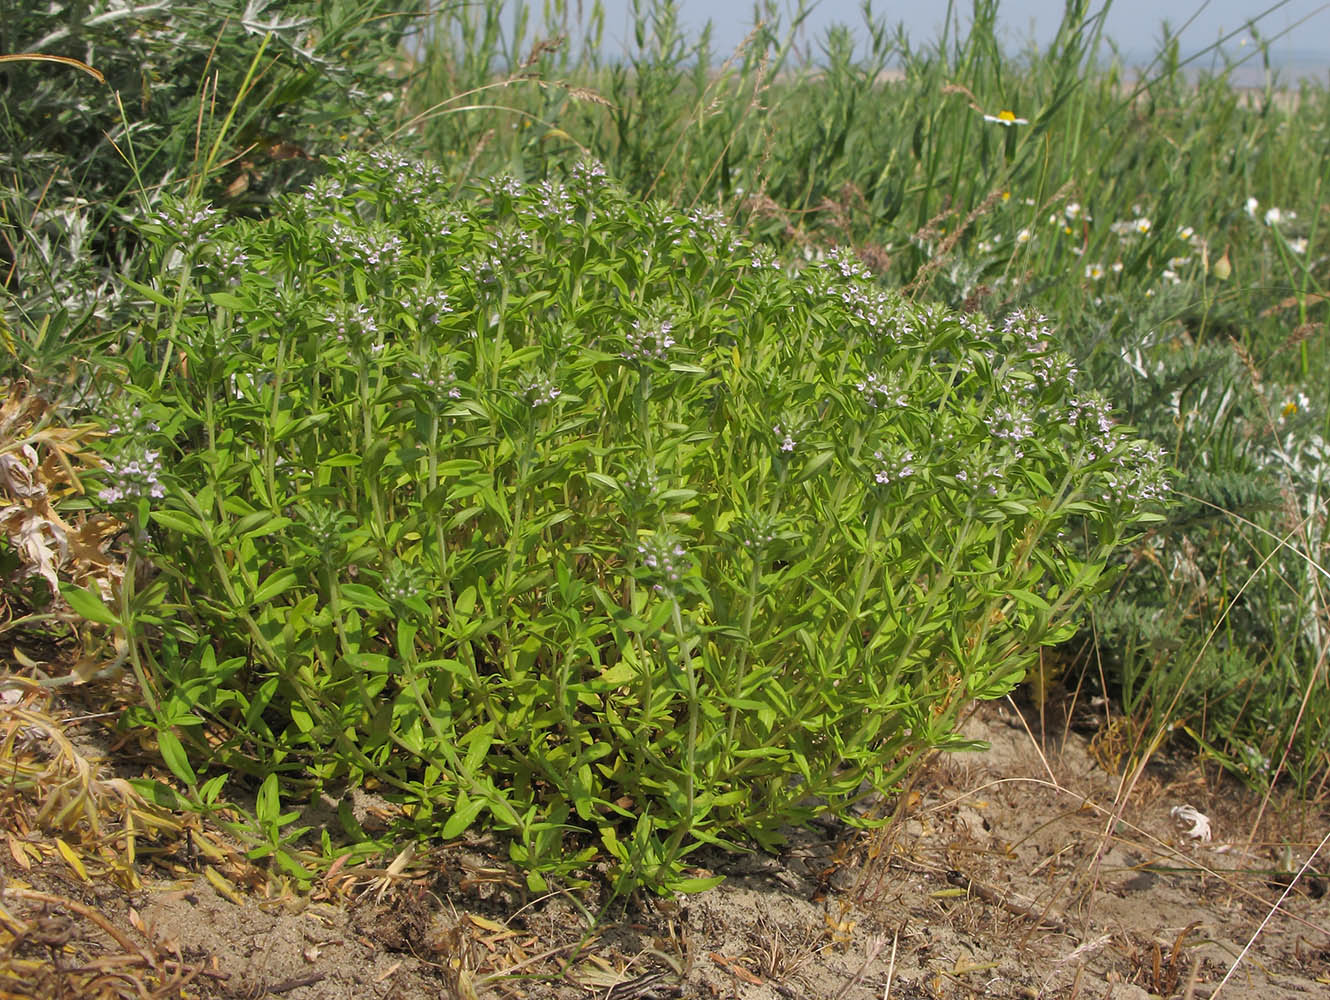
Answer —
1169 219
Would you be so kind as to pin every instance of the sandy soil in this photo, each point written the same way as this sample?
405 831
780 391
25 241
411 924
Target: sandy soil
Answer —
1004 874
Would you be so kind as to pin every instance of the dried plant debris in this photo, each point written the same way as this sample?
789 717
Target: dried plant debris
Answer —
42 464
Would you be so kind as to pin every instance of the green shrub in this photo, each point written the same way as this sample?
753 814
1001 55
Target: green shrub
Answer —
582 519
1164 213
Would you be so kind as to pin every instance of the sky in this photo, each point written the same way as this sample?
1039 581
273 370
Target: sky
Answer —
1134 24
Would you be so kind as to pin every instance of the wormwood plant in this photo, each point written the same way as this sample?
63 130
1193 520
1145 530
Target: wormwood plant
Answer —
578 518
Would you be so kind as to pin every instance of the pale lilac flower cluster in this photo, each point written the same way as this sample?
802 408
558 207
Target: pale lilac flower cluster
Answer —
390 161
483 270
540 390
650 341
640 481
421 173
136 477
849 265
552 202
764 258
1011 423
511 244
230 257
757 531
878 391
430 307
188 220
981 479
589 177
785 439
401 582
710 222
131 422
1054 368
374 246
353 324
324 191
506 185
1094 409
412 179
1030 327
1138 476
325 525
1093 413
665 558
873 307
893 466
975 325
437 378
438 221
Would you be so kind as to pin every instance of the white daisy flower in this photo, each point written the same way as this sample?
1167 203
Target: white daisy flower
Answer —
1007 118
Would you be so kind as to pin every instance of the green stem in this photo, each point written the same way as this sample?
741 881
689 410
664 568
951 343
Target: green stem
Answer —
867 564
690 748
127 623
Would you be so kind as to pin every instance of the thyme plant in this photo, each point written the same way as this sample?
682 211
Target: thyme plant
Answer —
580 518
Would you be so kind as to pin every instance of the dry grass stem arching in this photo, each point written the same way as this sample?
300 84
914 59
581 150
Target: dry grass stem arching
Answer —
939 257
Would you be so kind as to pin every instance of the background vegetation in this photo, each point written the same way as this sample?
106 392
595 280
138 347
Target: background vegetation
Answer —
1169 222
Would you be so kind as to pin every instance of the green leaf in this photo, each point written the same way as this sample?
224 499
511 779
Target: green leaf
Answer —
212 788
357 595
480 740
178 521
229 300
273 586
159 794
815 465
88 605
465 811
267 804
1031 599
621 673
691 885
151 294
173 753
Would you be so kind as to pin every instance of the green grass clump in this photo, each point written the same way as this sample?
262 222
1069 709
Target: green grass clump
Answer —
582 518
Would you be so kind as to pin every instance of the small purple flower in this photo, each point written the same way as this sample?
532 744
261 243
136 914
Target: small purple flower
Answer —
650 341
540 390
664 558
894 465
136 477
